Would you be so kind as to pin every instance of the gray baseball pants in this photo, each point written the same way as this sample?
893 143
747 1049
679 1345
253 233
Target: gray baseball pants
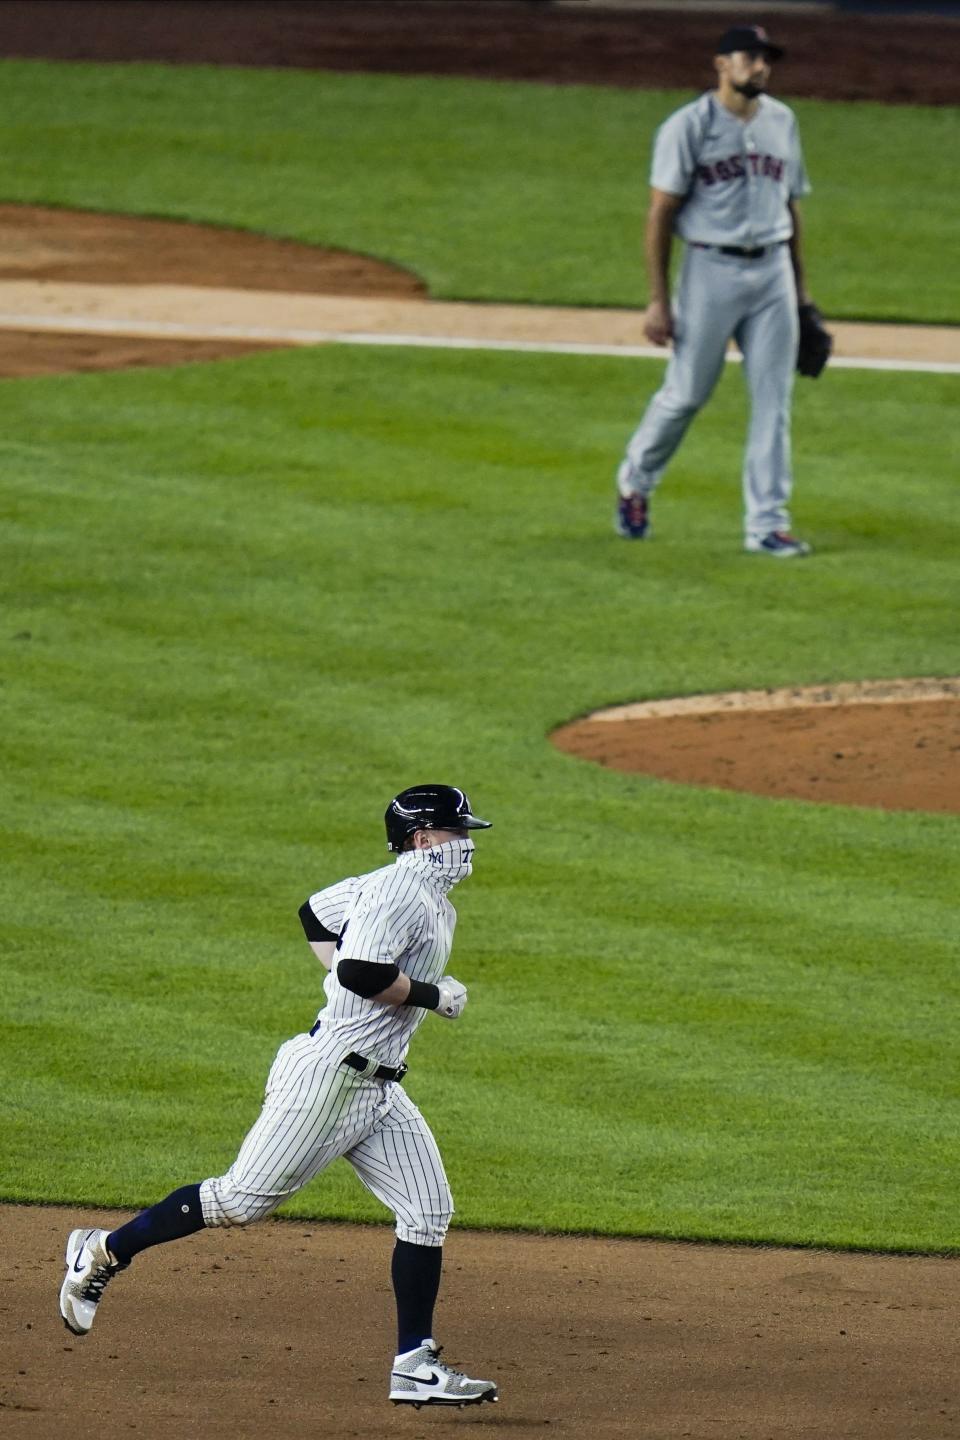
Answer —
754 302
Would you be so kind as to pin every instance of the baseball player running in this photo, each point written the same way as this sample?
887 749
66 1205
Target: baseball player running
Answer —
385 938
727 173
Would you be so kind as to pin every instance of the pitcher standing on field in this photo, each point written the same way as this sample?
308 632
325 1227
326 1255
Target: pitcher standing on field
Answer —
726 177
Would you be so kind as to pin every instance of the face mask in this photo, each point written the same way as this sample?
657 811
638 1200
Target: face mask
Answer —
450 862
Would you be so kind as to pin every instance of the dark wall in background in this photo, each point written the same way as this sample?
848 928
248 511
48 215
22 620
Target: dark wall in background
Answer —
836 54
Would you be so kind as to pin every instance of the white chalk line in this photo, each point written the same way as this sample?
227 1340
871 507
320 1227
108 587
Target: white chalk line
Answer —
158 329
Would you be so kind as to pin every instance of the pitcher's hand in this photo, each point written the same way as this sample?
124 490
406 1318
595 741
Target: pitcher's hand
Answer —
658 322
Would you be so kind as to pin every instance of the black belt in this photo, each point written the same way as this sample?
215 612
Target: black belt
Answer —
755 254
382 1072
361 1063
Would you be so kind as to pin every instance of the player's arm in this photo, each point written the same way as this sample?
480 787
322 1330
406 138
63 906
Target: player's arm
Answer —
322 942
796 254
658 319
324 951
388 985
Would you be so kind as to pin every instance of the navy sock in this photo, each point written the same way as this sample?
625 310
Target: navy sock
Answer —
179 1214
415 1270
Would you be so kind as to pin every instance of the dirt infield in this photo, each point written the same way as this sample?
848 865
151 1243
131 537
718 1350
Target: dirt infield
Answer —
113 291
286 1330
45 245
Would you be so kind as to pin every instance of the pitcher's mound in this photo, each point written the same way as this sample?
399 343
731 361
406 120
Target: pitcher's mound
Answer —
894 744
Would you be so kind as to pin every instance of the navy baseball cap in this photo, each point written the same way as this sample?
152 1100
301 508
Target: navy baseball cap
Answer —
748 37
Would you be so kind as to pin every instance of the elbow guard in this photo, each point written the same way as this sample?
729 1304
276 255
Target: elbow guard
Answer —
366 978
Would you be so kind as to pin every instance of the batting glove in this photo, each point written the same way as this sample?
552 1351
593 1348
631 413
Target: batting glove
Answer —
453 998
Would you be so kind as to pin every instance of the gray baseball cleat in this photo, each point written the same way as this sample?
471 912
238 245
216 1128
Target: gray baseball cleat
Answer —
779 543
89 1268
420 1378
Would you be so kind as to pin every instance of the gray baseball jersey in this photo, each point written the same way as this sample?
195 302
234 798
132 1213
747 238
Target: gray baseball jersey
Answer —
737 175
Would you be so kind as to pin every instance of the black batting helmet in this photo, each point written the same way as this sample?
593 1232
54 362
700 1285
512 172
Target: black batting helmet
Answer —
429 807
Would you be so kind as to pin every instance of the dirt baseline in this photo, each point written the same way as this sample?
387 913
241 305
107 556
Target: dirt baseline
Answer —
86 291
286 1330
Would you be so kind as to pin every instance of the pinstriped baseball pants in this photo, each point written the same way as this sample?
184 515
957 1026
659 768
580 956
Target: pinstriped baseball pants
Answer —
313 1113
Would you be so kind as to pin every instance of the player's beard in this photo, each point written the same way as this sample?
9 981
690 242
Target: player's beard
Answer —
750 89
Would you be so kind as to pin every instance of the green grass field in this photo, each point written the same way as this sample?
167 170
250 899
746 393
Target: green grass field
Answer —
245 603
490 191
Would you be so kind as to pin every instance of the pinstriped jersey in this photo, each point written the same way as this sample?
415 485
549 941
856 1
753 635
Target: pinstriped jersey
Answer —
398 915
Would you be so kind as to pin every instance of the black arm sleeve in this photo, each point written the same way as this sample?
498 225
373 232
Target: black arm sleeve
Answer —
423 995
311 925
366 978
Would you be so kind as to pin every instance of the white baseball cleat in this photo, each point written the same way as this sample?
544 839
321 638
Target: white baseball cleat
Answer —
89 1268
420 1378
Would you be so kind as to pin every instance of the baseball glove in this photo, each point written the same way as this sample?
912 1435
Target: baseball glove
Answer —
816 342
